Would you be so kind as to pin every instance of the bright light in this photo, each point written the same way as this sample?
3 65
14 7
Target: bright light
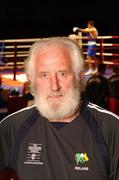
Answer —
20 77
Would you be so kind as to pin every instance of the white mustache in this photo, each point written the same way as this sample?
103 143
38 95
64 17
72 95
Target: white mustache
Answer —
55 94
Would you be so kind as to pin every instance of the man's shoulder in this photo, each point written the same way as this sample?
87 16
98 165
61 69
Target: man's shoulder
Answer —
103 116
19 117
93 78
108 124
97 78
113 78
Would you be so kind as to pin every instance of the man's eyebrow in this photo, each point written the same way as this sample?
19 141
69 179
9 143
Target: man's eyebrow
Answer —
39 72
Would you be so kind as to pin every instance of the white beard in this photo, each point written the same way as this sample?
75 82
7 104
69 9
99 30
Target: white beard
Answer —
53 110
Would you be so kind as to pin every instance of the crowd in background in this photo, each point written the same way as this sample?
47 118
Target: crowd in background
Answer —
102 90
12 100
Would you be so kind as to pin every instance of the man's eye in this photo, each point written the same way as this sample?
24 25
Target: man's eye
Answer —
43 75
62 74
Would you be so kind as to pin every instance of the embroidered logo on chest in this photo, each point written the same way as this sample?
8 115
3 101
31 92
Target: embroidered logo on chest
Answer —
80 159
34 154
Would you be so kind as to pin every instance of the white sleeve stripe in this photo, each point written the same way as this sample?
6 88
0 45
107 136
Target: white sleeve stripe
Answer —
30 107
94 106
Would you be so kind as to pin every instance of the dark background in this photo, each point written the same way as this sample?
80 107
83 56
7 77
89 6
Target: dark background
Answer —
45 18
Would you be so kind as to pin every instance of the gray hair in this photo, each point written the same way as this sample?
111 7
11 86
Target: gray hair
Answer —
74 49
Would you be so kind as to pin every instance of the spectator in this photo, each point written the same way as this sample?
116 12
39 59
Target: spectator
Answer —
4 94
27 94
97 90
114 82
14 92
114 90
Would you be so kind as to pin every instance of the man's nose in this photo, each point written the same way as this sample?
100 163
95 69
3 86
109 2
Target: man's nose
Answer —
55 84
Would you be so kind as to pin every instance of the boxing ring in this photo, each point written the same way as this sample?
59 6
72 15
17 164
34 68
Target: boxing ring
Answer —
107 47
15 51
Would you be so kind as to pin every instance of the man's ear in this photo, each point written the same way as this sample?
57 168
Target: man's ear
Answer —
29 77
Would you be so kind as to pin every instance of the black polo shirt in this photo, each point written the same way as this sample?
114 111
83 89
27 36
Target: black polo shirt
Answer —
38 150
